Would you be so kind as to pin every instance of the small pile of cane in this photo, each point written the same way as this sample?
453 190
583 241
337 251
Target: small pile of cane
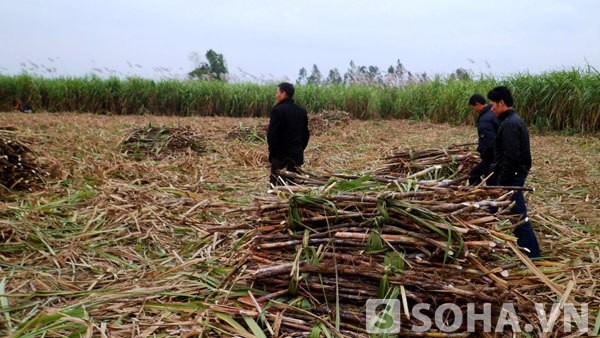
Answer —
430 163
19 169
322 122
243 133
160 142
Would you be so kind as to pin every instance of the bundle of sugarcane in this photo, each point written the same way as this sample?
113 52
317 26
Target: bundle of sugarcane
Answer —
304 179
433 163
159 142
315 179
18 163
350 241
243 133
321 122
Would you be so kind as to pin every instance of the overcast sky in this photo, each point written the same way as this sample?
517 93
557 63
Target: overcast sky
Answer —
273 39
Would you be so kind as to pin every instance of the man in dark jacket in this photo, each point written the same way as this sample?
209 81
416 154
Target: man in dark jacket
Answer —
487 126
288 133
512 161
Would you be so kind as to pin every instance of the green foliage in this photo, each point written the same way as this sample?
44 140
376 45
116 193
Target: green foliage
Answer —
360 184
256 330
334 77
294 219
559 100
213 68
394 261
375 243
315 77
42 323
384 286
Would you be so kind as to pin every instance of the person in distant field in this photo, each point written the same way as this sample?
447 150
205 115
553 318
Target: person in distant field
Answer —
487 127
512 161
288 133
24 108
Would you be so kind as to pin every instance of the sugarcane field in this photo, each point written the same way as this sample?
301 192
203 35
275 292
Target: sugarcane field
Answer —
149 226
320 169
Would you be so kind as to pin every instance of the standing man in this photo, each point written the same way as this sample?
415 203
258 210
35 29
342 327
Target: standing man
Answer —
487 127
512 161
288 133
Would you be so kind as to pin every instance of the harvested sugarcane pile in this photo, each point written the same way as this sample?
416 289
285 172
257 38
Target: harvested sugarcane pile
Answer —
352 240
314 179
320 123
243 133
160 142
432 163
18 163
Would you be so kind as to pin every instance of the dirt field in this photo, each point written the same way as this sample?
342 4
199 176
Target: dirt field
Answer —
106 228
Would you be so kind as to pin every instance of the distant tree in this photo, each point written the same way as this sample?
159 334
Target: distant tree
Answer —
362 72
350 75
334 77
461 74
302 75
396 76
315 76
400 67
373 74
213 67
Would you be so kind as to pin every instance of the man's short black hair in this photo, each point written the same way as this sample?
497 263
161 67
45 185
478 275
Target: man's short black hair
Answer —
501 93
475 99
287 88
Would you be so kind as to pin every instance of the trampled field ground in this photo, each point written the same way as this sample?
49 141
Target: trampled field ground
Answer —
132 248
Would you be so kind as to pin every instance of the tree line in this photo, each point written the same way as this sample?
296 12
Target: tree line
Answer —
214 67
395 75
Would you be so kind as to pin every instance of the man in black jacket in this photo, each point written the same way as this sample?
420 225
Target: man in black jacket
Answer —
512 161
487 127
288 133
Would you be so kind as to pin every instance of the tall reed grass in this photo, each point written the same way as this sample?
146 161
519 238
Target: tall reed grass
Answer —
557 100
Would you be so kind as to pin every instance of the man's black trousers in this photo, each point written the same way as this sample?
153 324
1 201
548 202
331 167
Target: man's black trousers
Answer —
525 235
278 164
481 169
